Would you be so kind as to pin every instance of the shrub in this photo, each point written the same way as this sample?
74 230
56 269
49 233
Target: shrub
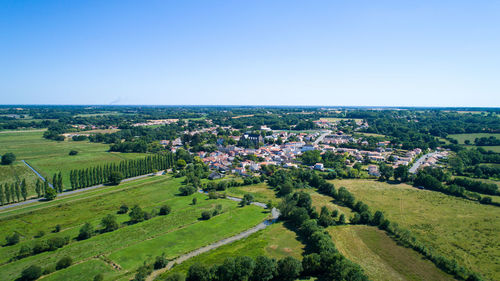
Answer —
57 228
136 214
13 239
24 251
212 195
187 190
57 242
49 269
39 234
40 246
73 152
164 210
99 277
33 272
8 158
160 262
64 262
86 231
195 200
109 223
50 194
206 215
123 209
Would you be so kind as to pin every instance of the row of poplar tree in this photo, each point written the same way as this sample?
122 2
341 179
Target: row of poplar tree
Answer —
128 168
18 191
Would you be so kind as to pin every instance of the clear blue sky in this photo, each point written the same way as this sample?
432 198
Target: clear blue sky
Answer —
392 53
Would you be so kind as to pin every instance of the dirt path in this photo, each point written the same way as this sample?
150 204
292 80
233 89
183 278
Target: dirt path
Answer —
275 214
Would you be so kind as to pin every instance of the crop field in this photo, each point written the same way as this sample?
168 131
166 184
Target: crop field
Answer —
380 257
162 234
276 241
461 229
49 157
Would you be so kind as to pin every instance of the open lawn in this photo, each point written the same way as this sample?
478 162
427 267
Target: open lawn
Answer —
457 228
49 157
380 257
150 194
276 241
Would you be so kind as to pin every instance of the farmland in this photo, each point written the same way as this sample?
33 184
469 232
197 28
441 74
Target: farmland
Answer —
49 157
380 257
455 227
126 243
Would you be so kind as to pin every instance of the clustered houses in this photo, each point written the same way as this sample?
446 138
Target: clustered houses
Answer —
434 159
156 122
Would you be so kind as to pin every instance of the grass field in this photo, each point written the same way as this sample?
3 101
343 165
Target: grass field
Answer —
17 172
149 193
261 192
380 257
83 272
461 138
276 241
457 228
49 157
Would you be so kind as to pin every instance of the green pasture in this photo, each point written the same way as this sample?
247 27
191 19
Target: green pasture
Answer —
457 228
380 257
83 272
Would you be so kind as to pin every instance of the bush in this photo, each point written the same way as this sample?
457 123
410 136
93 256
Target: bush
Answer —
109 223
57 228
13 239
40 246
136 214
51 194
73 152
164 210
39 234
115 178
99 277
206 215
123 209
24 251
64 262
56 243
86 231
195 200
49 269
160 262
33 272
212 195
8 158
187 190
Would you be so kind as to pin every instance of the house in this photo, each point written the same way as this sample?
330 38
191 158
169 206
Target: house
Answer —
255 138
373 171
215 176
318 166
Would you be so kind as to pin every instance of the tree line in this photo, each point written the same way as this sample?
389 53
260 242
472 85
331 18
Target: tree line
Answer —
107 173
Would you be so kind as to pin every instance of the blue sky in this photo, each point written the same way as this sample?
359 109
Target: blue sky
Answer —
384 53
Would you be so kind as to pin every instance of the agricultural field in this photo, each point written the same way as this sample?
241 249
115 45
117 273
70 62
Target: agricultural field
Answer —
129 246
276 241
49 157
461 229
380 257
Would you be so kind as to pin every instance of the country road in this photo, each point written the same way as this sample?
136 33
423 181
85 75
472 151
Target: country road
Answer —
66 192
274 216
320 138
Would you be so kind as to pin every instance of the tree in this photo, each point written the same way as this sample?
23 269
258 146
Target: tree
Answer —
50 194
32 272
341 219
8 158
73 152
195 200
24 190
38 188
2 195
109 223
247 199
187 190
206 215
136 214
386 171
86 231
160 262
311 264
12 239
164 210
18 191
265 269
197 272
115 178
64 262
123 209
243 268
311 157
401 173
289 268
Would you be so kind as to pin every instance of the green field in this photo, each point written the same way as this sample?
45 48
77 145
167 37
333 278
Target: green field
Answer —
83 271
130 241
457 228
17 172
261 192
461 138
49 157
380 257
276 241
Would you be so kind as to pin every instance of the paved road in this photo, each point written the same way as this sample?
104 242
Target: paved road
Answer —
274 216
320 138
67 192
419 162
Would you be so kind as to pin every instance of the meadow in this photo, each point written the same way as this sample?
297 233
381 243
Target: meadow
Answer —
16 172
457 228
276 241
49 157
125 244
380 257
461 138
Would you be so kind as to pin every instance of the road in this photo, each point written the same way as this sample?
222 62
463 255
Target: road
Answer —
419 162
66 192
320 138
